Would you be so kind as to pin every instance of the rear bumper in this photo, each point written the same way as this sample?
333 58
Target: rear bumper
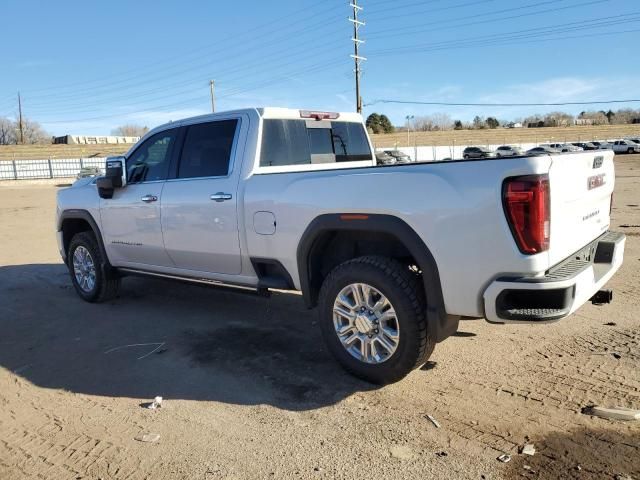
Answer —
561 291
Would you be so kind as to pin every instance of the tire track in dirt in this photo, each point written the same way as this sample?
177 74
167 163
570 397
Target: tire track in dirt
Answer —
547 386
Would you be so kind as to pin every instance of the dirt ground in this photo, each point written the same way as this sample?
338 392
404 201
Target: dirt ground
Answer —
251 392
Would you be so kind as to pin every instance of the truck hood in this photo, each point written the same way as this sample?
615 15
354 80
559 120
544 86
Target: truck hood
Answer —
81 182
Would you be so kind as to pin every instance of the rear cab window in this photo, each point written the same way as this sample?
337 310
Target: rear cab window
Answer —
313 143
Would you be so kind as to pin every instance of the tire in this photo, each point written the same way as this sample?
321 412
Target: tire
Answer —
466 157
630 151
106 280
404 291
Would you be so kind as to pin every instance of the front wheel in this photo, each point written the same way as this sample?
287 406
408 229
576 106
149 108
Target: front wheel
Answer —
372 317
92 278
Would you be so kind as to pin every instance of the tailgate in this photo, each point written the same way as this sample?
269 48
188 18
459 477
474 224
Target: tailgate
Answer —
581 186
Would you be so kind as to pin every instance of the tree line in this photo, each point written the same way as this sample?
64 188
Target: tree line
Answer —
379 123
32 132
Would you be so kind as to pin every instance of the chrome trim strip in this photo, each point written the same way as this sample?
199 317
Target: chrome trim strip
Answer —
204 281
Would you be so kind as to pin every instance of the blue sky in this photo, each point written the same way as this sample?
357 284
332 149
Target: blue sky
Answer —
87 67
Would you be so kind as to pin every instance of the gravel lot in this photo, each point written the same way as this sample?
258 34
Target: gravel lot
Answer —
250 391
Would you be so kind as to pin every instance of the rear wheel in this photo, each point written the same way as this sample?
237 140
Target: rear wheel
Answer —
91 276
466 157
630 150
372 317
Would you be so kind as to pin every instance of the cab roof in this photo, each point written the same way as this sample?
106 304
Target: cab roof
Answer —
264 112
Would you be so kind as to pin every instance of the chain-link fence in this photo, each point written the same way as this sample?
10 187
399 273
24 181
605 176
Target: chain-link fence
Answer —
55 168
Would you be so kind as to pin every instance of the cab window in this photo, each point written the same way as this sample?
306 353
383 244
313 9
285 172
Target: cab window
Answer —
300 142
150 161
207 149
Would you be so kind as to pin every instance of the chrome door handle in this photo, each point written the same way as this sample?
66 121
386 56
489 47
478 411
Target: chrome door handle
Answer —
221 197
149 198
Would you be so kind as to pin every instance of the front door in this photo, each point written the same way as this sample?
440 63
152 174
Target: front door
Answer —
199 218
131 219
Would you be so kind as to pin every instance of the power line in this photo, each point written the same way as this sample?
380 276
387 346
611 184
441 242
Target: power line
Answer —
460 104
239 54
173 94
200 99
248 66
420 28
507 37
431 10
135 73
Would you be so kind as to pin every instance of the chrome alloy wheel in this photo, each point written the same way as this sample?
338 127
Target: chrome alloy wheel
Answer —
366 323
84 269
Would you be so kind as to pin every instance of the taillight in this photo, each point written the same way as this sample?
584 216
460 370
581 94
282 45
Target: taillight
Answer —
527 207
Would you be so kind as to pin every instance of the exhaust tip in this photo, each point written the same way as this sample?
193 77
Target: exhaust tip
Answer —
601 297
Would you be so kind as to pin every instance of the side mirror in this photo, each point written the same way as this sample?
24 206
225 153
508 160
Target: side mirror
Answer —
115 177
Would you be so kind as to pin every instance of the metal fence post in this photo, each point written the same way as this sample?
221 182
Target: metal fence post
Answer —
50 169
81 165
15 170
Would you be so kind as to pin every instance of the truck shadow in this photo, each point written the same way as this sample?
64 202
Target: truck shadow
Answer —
166 338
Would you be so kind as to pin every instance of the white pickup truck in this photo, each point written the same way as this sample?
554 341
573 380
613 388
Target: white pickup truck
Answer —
626 146
391 256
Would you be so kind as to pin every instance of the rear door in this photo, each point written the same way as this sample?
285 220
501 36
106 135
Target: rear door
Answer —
199 217
581 188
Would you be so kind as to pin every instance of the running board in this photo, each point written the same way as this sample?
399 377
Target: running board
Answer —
260 291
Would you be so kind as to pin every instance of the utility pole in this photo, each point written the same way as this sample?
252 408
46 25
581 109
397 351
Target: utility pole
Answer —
356 43
409 118
20 124
212 84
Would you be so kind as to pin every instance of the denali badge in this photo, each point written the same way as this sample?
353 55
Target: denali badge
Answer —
595 181
590 215
597 161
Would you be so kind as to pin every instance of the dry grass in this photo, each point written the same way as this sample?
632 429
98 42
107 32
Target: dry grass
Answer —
504 135
451 137
36 152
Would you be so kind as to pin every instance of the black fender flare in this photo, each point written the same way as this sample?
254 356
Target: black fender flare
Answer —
78 214
439 323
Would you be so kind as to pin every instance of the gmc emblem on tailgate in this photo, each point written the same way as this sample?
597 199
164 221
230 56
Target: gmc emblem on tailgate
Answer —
595 181
597 161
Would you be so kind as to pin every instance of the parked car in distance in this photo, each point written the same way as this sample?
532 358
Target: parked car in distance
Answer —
508 151
563 147
626 146
477 152
383 158
400 156
634 140
89 172
542 149
585 145
602 145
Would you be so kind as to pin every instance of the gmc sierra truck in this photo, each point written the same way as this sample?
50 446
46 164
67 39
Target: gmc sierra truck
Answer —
391 256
